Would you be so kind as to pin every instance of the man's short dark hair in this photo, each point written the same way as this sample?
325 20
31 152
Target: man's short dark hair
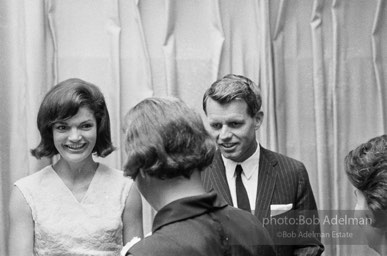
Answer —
232 87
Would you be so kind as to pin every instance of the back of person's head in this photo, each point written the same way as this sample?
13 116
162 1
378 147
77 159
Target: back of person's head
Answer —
232 87
366 167
166 139
63 102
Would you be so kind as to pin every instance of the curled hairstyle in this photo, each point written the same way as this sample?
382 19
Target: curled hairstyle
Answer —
232 87
63 102
366 167
166 139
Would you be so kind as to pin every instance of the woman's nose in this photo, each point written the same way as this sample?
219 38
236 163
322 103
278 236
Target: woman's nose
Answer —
75 135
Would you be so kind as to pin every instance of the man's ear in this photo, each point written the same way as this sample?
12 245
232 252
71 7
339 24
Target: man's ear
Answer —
142 173
258 118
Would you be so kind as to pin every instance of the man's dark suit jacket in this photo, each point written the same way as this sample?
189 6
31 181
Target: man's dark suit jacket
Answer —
281 180
204 225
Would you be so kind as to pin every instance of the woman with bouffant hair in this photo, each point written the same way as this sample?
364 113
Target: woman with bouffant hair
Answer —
63 102
366 167
181 145
75 206
167 149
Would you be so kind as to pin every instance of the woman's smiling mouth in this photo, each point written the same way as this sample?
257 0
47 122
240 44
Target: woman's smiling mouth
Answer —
75 147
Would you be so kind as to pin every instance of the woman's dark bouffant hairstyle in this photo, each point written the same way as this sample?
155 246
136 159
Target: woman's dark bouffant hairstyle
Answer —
63 102
166 139
366 167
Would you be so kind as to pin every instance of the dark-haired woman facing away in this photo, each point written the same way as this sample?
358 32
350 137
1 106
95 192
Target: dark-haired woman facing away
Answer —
76 206
366 167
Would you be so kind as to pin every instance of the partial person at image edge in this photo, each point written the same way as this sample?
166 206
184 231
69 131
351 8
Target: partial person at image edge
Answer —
366 168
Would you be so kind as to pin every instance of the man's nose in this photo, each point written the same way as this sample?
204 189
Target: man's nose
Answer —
225 133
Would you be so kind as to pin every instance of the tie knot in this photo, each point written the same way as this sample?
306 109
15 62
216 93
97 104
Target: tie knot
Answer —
238 170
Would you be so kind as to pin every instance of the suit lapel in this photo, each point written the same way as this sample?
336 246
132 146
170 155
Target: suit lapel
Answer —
266 182
217 176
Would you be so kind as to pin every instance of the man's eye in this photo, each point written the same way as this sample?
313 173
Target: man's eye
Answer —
216 126
235 124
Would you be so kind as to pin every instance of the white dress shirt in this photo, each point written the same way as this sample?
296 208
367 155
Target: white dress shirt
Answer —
249 177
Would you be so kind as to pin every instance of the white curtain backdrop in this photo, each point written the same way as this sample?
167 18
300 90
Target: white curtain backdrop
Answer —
321 64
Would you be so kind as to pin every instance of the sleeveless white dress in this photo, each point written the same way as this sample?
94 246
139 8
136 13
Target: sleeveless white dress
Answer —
65 226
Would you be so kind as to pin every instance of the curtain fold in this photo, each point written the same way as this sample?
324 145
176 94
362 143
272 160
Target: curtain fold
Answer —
378 31
321 66
268 130
135 77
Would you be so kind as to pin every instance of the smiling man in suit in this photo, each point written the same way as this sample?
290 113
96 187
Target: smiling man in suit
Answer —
272 186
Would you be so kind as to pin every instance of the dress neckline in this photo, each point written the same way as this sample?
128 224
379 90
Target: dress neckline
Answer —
67 189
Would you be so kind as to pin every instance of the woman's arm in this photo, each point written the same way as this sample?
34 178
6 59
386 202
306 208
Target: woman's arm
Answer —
132 216
21 237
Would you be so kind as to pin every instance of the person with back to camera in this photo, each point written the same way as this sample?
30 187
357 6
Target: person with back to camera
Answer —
366 168
272 186
76 206
167 148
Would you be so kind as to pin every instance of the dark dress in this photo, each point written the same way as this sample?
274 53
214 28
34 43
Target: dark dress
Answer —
204 225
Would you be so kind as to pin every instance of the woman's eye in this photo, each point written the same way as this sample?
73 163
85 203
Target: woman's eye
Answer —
60 127
87 126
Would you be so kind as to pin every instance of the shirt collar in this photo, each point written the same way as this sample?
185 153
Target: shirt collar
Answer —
186 208
248 165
